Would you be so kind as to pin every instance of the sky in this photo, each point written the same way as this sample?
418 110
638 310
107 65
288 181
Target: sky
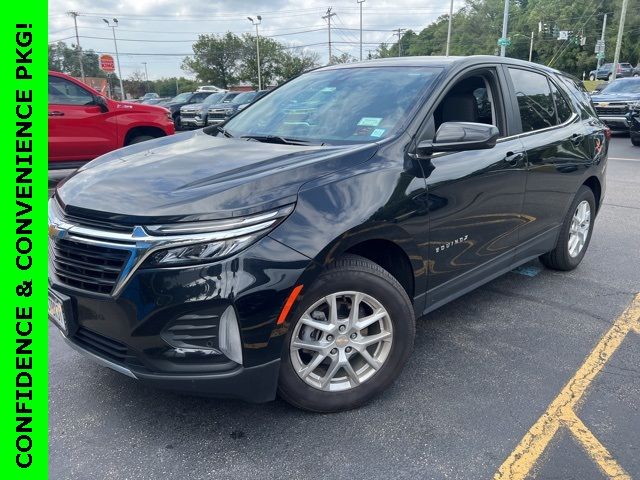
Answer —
160 32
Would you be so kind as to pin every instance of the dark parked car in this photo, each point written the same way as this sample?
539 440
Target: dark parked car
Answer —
633 117
605 72
636 71
612 103
181 100
195 115
291 253
220 113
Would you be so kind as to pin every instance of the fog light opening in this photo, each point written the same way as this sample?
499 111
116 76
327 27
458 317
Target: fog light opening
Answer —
230 343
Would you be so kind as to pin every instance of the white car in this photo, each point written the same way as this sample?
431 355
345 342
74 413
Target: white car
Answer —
210 88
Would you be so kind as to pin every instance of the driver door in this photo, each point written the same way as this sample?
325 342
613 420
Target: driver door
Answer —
474 197
78 129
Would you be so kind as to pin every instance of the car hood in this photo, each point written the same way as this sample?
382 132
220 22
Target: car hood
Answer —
615 97
220 105
195 176
142 107
194 107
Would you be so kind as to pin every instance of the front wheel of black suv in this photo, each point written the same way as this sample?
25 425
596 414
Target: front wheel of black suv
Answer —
575 233
350 336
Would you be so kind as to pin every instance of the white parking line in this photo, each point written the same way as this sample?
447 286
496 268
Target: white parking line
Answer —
625 159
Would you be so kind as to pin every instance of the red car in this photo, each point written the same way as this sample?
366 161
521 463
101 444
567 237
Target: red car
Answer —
83 124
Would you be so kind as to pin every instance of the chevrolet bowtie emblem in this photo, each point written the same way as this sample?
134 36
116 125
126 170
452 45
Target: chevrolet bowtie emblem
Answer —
54 230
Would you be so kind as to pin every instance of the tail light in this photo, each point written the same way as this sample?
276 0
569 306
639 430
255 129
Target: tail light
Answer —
607 133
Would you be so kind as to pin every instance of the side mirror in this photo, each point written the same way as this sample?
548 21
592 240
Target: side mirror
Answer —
458 137
101 102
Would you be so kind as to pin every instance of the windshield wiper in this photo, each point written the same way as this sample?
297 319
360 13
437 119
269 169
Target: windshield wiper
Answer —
224 132
279 139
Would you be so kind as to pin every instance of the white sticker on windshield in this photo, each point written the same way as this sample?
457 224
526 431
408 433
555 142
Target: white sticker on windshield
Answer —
369 122
328 89
378 132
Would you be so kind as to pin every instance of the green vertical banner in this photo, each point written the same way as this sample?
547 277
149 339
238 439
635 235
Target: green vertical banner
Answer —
23 271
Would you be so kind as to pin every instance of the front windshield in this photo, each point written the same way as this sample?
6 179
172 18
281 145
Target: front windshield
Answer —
345 105
243 98
183 97
215 98
623 86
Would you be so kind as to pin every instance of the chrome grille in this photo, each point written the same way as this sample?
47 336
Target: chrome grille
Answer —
613 109
86 266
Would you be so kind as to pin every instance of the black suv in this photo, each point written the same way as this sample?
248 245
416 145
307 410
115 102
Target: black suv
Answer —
291 248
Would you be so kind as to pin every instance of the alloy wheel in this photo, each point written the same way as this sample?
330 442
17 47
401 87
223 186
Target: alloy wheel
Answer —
579 230
341 341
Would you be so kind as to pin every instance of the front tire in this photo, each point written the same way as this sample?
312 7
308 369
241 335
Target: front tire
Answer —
635 140
592 77
139 139
337 357
575 233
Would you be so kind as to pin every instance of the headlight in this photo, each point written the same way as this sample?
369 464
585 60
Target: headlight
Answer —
201 242
169 117
228 111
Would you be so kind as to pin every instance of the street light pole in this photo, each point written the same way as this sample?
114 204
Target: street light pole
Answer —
531 47
146 77
115 44
256 23
616 56
78 48
449 30
360 2
505 21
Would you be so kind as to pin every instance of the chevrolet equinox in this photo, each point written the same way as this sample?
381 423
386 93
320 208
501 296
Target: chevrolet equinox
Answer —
289 250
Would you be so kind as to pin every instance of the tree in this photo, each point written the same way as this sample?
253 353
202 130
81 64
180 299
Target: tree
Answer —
344 57
217 59
293 64
63 58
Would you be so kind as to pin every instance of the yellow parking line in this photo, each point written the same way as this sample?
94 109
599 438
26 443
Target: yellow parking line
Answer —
594 448
518 465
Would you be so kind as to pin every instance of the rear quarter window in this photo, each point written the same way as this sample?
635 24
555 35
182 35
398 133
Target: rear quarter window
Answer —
578 92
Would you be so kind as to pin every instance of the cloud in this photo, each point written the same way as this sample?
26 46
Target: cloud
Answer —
160 31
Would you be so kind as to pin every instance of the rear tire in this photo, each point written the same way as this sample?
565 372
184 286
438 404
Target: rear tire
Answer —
575 233
324 386
609 77
592 77
139 139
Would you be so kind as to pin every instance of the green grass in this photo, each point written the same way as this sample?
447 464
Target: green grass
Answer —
591 85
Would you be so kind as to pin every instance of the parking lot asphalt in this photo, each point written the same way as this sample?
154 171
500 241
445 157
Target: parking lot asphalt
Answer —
486 369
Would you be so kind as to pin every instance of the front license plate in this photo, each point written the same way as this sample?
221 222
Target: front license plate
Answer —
56 312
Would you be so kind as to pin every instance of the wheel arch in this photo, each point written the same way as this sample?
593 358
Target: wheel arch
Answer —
143 130
594 184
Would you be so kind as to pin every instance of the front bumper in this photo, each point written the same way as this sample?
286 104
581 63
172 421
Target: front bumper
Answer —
144 331
615 122
191 122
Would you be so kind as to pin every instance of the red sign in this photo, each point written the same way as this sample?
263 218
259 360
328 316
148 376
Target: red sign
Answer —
106 63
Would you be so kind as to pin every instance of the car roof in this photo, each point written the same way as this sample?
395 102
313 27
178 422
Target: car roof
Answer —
442 62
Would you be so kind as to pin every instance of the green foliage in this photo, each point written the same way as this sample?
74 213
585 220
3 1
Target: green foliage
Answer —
63 58
230 59
478 25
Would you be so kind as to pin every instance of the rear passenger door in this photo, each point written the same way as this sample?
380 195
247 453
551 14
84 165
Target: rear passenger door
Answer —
556 145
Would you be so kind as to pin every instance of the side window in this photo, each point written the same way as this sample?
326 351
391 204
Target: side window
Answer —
535 102
562 107
64 92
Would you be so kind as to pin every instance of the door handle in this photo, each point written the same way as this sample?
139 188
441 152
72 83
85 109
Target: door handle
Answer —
56 113
513 158
577 138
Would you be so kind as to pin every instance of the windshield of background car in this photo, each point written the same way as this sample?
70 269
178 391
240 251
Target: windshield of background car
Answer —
623 86
345 105
181 98
243 98
215 98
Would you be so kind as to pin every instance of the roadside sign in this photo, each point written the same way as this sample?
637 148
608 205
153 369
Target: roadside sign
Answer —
107 63
504 42
599 47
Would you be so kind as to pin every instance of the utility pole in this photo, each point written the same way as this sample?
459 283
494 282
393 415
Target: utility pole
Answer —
449 30
75 23
327 17
604 26
256 23
399 34
505 21
531 47
115 43
146 76
616 56
360 2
